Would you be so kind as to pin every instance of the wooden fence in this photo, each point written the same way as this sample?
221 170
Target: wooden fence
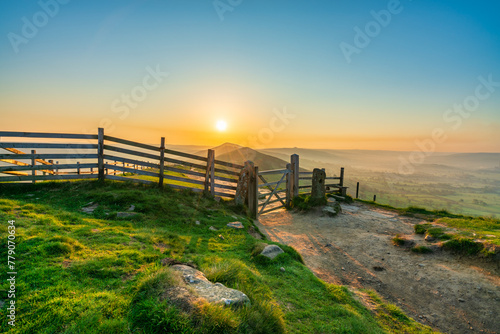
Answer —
105 157
287 184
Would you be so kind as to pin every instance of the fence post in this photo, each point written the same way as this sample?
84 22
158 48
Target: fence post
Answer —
374 198
78 167
357 189
294 162
288 186
253 192
33 164
100 154
210 173
57 168
341 183
162 162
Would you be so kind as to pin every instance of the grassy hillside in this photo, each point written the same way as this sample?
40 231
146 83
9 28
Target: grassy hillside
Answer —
97 273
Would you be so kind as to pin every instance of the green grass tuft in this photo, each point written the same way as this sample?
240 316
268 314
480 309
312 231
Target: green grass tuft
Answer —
421 250
463 245
398 240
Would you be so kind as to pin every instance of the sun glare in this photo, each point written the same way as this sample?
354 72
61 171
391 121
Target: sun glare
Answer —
221 125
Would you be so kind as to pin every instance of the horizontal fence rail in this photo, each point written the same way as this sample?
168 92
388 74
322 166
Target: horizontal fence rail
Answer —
107 157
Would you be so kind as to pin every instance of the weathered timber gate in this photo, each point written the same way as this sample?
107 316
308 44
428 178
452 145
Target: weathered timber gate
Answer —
277 189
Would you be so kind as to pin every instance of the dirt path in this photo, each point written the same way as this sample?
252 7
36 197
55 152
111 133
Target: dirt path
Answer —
449 293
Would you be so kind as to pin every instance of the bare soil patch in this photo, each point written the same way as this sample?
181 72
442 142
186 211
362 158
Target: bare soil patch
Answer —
450 293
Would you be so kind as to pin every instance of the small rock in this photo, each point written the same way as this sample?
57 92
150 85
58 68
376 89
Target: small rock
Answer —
221 237
236 225
211 228
271 251
328 245
429 238
30 195
343 268
282 269
330 211
197 222
90 207
421 265
461 300
378 268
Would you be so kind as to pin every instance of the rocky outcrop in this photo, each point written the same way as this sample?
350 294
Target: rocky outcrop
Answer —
200 288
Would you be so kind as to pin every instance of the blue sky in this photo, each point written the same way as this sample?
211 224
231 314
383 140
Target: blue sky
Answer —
262 57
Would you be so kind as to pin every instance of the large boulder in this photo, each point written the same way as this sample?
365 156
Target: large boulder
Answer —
214 293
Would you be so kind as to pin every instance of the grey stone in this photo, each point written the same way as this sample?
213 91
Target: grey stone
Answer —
132 208
90 207
197 222
332 202
236 225
125 214
211 228
271 251
282 269
429 238
330 211
214 293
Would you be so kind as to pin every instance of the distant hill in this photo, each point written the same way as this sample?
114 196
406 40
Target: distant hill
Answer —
238 154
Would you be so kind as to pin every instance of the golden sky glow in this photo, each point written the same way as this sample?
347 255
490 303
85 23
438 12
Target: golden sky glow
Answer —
175 70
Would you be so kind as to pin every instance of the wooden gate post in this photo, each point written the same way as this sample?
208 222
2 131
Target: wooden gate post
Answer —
288 186
162 162
253 192
33 164
341 183
100 154
294 162
210 173
357 189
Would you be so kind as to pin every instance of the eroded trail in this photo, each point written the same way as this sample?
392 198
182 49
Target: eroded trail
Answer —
444 291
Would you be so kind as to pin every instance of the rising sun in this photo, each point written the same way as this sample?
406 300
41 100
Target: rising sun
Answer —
221 125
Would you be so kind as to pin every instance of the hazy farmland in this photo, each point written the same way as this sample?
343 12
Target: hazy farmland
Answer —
460 183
